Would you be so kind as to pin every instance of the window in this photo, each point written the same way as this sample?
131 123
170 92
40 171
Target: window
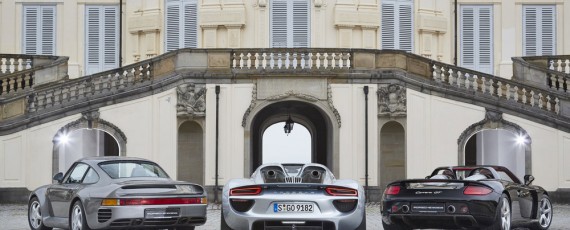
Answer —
397 25
289 23
91 177
476 42
39 30
101 38
539 30
129 169
181 24
77 174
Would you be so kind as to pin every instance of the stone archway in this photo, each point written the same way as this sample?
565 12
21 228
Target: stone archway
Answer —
89 121
494 121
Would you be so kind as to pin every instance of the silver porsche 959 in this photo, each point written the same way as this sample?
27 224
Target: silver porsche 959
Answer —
293 196
116 193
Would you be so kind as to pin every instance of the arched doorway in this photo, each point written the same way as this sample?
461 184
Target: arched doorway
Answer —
498 147
495 141
88 131
279 147
311 116
74 145
190 164
392 153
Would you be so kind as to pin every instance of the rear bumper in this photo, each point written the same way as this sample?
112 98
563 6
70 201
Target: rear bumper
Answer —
438 221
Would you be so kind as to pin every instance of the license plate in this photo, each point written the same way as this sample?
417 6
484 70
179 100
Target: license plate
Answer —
428 208
293 207
161 213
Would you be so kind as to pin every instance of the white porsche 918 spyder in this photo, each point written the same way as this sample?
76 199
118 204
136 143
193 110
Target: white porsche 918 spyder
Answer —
293 196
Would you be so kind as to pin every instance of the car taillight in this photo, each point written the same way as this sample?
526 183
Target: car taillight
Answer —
341 191
153 201
392 190
246 191
477 190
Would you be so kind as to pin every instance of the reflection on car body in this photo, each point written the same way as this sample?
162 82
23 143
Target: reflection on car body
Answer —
293 196
116 193
482 197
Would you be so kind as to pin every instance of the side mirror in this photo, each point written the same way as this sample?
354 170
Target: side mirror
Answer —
58 177
528 179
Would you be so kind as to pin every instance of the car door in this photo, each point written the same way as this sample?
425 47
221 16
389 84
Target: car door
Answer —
60 195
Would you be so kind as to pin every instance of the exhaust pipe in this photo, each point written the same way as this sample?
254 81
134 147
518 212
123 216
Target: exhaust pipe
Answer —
451 209
405 208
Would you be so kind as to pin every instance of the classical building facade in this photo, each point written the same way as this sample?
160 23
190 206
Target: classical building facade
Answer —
194 84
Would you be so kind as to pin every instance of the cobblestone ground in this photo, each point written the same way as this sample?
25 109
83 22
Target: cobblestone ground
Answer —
13 216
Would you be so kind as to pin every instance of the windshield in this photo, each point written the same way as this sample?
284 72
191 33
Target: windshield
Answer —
130 169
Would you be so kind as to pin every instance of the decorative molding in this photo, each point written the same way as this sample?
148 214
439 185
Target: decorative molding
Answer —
191 100
292 93
331 105
392 101
251 105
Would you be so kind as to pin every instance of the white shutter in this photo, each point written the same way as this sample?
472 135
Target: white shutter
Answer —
101 38
300 23
476 41
39 30
397 25
279 23
539 30
290 23
181 24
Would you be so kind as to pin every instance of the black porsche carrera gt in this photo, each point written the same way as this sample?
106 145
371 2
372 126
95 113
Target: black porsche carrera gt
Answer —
478 197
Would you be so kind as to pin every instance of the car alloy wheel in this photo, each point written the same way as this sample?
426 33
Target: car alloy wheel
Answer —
35 215
505 214
76 218
545 213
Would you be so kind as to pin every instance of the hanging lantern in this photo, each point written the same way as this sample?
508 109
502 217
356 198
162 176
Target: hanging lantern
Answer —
288 125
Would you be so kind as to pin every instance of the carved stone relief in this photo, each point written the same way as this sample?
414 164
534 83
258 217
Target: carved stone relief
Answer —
392 100
191 100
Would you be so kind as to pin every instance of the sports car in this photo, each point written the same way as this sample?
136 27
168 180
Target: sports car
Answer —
293 196
116 193
468 197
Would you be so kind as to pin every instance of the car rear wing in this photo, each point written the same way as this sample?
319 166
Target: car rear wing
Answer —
181 188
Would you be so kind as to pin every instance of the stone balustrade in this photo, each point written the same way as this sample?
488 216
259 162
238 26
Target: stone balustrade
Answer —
19 73
291 59
22 96
91 86
548 72
496 87
10 63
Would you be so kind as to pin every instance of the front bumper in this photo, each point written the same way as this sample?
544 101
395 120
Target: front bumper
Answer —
121 217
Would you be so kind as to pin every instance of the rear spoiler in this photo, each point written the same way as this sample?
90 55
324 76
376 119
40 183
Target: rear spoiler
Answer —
192 189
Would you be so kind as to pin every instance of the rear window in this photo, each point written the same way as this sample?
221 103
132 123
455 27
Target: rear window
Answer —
131 169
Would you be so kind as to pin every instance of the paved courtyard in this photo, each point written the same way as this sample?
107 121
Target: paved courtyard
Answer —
13 216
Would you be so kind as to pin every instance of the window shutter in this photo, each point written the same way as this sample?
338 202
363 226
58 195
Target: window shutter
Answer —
39 30
172 25
397 25
101 38
539 30
110 37
190 24
476 47
181 24
279 28
300 23
93 40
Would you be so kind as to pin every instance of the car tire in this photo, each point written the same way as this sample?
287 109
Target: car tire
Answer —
362 225
35 215
77 219
394 226
503 215
545 214
223 224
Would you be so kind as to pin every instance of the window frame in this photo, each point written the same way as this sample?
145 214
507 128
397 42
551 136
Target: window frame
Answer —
38 35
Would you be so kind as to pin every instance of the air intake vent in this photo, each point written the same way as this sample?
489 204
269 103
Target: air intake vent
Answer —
293 179
104 215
